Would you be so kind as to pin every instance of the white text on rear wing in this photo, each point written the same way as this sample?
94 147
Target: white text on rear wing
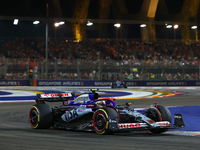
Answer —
55 95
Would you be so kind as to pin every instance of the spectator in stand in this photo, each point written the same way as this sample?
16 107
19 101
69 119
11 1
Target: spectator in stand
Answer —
86 75
116 50
196 76
169 77
171 54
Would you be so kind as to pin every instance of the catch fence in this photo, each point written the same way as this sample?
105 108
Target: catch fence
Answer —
77 69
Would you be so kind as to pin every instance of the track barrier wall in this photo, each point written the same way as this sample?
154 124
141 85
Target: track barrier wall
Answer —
108 83
14 83
95 83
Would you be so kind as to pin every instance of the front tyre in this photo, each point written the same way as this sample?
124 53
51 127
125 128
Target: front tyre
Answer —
41 116
159 113
101 120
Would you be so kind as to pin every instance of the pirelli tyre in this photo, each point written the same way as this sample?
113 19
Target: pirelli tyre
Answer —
41 116
101 120
159 113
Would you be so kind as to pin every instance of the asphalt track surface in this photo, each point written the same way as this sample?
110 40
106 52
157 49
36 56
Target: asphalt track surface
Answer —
16 133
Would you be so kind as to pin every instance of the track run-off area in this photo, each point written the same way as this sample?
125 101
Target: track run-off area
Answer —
15 103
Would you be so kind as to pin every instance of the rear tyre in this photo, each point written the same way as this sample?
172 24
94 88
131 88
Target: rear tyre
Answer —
41 116
101 120
162 114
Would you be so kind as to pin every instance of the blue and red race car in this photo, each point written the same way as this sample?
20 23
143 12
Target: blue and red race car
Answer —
88 112
119 84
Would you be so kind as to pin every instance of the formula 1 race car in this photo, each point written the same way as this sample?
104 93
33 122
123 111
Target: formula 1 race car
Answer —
118 84
88 112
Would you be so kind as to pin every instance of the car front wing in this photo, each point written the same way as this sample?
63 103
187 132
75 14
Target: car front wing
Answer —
178 123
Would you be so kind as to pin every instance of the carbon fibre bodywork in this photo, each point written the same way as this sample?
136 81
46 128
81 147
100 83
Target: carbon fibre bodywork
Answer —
88 112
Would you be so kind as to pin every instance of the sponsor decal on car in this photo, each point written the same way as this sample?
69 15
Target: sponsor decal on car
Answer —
131 125
70 115
55 95
164 123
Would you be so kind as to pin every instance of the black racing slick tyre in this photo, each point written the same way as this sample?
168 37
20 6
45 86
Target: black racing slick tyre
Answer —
41 116
160 113
101 120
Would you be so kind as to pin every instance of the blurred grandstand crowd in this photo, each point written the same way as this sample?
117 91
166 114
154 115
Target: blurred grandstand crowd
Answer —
167 51
170 54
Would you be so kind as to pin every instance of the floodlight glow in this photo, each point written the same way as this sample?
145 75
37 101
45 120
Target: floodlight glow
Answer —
194 27
169 26
36 22
15 21
117 25
143 25
175 26
61 23
56 24
89 24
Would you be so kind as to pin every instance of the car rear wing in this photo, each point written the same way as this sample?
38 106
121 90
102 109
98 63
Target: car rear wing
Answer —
54 97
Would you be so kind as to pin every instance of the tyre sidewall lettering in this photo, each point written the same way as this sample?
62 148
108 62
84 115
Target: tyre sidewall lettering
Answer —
103 112
38 117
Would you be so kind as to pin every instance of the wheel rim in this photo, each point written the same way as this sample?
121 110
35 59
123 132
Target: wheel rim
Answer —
99 121
33 117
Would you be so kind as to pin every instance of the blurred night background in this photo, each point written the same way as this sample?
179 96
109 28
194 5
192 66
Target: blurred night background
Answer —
129 13
121 39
